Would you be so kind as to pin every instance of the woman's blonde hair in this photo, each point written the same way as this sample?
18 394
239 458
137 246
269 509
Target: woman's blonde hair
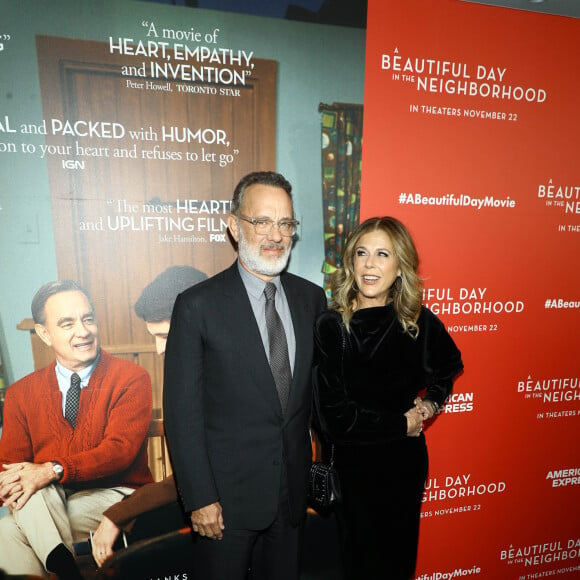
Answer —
405 293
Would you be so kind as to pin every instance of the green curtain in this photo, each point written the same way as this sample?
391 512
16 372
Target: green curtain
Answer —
341 126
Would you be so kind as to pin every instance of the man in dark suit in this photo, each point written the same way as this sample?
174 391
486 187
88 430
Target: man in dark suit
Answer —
237 395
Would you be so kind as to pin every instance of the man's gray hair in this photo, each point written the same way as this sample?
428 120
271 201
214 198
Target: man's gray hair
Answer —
258 177
50 289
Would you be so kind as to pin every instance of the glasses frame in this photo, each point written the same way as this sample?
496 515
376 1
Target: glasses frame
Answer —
254 221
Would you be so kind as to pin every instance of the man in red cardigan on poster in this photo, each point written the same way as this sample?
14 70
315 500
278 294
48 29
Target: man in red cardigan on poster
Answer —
73 441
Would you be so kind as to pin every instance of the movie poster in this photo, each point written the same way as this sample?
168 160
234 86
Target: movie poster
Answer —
124 127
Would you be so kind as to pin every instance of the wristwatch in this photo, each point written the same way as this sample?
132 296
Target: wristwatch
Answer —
58 470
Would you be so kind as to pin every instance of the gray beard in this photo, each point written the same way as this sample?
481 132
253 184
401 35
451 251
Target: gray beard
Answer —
250 256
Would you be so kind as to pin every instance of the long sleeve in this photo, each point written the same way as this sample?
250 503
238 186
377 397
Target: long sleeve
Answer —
15 444
341 417
442 358
183 407
146 498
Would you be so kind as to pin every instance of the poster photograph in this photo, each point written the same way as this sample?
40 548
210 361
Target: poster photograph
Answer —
125 126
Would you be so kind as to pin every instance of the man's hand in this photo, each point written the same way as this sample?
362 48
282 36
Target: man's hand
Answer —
10 487
208 521
103 540
20 480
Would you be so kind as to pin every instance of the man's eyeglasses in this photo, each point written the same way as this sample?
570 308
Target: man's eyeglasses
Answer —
263 226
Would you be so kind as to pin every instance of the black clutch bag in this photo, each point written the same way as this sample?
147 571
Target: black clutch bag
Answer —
324 485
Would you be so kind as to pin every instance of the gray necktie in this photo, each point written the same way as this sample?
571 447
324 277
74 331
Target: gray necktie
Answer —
279 360
73 396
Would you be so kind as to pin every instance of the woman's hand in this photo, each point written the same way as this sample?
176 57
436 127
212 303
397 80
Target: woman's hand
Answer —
414 422
426 408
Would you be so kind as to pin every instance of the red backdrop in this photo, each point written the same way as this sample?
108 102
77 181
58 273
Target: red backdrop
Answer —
471 138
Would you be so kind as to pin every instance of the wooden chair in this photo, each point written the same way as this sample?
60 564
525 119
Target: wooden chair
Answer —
158 452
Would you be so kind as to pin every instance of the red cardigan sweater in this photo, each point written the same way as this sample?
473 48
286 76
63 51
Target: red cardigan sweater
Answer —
107 448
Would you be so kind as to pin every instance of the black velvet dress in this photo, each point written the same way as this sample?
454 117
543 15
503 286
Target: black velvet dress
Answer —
365 380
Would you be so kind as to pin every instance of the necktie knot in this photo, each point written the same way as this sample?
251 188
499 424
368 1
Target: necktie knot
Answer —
270 291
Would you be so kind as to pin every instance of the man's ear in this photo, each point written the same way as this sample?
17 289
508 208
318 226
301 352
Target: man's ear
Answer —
43 334
233 227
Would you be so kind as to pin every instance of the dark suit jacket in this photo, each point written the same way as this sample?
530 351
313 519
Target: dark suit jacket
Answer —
227 436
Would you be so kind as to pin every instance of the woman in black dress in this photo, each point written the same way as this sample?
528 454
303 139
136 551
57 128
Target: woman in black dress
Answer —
377 351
